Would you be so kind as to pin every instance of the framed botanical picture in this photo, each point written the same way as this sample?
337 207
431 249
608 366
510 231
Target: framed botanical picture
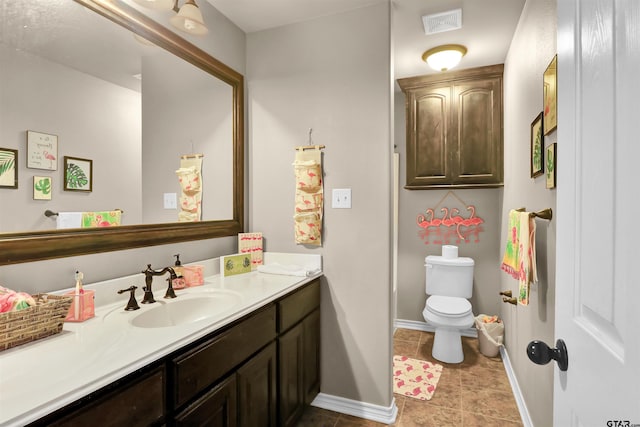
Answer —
41 188
537 147
550 83
8 168
42 151
552 162
78 174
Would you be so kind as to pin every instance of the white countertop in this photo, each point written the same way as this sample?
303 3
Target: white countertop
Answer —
45 375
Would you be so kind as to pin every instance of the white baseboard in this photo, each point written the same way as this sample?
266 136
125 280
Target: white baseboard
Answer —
517 393
381 414
424 326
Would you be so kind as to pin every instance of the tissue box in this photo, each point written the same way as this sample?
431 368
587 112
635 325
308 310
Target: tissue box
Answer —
193 275
82 306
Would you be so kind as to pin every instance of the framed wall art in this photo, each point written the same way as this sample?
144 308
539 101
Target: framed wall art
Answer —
42 151
552 162
78 174
42 188
8 168
550 83
537 147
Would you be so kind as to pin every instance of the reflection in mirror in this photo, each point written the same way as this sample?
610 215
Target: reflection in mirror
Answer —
134 116
130 107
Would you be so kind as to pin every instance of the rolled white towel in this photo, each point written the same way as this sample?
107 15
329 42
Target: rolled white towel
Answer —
287 270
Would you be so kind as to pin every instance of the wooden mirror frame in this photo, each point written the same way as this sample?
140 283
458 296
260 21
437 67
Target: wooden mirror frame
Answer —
41 245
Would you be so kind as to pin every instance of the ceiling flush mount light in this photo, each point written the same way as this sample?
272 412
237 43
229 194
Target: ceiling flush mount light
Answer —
188 18
445 57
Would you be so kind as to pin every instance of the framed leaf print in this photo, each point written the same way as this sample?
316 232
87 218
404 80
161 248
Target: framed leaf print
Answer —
41 188
78 174
552 162
537 147
8 168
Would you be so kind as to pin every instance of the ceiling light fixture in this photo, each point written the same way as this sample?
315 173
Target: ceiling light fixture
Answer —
445 57
188 18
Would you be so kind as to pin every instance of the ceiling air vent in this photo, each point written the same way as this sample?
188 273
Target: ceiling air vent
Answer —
441 22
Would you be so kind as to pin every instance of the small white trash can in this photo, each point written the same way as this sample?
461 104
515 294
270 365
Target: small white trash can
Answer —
490 335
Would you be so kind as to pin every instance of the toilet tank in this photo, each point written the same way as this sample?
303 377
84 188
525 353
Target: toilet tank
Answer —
449 276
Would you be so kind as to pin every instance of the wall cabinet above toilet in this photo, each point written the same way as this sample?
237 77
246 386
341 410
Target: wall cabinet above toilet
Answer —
454 129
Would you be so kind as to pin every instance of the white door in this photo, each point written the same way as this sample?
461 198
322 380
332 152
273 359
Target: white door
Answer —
598 222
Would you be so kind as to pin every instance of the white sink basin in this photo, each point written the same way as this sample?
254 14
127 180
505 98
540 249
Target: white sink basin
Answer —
186 309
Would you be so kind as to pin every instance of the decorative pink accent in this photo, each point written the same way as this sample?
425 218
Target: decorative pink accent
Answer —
49 157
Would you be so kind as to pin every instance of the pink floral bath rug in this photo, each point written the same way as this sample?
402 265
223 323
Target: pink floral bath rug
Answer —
415 378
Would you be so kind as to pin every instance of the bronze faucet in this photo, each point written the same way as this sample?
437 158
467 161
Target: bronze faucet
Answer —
148 279
132 304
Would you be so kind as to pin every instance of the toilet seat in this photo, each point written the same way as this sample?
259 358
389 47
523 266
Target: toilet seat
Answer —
448 306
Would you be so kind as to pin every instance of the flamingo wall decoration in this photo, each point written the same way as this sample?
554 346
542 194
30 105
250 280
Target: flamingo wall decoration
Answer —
455 226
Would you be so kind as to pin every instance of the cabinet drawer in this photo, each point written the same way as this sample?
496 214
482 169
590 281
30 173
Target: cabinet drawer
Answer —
293 308
138 404
204 365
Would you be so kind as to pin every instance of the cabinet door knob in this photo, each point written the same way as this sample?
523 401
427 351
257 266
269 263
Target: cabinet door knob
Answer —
540 353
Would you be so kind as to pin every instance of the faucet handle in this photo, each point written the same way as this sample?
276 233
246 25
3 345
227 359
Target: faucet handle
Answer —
170 292
132 304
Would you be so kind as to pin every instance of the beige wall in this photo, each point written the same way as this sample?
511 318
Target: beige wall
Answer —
532 48
331 74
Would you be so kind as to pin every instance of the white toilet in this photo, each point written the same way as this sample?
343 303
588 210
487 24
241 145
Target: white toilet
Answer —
449 284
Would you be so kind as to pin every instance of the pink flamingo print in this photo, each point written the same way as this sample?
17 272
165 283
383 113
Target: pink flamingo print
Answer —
446 222
456 219
422 223
434 221
474 220
50 157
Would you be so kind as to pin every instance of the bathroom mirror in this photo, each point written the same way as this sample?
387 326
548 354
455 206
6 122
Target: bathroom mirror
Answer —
25 246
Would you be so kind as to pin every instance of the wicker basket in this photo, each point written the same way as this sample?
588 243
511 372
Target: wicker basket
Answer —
39 321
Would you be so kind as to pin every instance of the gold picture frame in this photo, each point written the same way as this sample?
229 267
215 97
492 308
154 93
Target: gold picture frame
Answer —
537 147
550 90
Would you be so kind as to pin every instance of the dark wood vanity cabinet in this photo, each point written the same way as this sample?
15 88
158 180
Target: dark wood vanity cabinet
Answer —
299 352
259 371
136 400
454 129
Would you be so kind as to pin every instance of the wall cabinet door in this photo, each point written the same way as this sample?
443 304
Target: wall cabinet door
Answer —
257 399
454 129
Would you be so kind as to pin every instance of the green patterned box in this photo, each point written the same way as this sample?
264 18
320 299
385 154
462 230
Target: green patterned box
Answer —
231 265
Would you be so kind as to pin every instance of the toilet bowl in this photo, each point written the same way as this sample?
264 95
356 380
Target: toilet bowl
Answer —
449 284
449 315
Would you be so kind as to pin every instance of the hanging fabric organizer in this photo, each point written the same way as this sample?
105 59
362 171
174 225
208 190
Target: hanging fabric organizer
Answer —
309 195
190 178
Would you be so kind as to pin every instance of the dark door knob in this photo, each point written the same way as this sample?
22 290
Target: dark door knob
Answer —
540 353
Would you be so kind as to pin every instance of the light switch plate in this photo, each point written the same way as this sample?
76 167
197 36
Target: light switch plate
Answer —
341 198
170 201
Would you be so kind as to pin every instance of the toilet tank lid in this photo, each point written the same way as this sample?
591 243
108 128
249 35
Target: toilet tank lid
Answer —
440 260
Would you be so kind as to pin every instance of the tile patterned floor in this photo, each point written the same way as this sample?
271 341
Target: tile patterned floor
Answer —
473 393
